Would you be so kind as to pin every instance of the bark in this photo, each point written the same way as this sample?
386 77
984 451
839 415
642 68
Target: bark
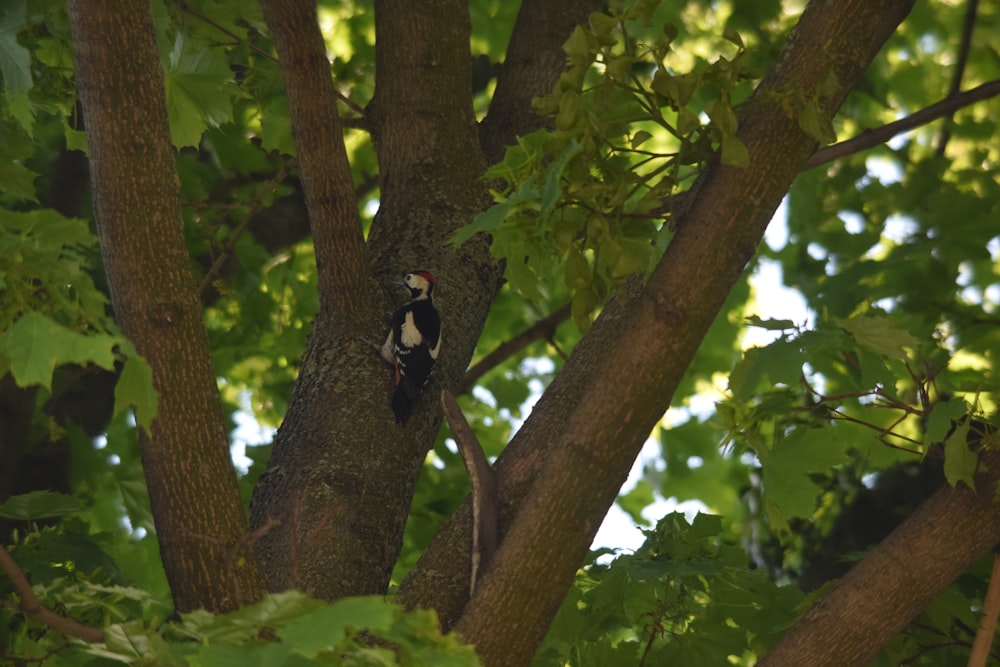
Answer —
519 595
895 581
439 580
341 260
196 506
341 479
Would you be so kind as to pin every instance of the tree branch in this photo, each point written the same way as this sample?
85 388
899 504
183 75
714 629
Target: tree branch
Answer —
437 581
535 60
591 458
485 499
137 205
543 328
882 593
972 7
32 608
341 258
880 135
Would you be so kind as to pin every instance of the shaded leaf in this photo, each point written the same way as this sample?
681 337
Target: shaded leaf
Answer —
15 60
199 87
135 389
39 505
960 462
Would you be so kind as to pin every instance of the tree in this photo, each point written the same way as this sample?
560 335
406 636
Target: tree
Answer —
605 195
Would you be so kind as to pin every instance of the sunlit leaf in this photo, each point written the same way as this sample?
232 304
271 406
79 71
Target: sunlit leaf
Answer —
35 345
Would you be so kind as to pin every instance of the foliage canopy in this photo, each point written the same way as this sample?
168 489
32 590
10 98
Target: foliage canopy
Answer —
802 434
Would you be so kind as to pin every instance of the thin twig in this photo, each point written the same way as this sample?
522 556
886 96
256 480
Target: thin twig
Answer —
963 57
31 607
544 328
980 653
880 135
485 497
227 251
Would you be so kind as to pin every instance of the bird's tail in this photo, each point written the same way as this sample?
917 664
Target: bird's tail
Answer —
403 399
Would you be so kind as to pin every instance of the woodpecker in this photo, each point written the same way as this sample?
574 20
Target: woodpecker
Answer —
413 343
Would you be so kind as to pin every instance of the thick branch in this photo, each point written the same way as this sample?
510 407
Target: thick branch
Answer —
880 595
341 259
192 485
32 608
548 539
880 135
437 579
535 60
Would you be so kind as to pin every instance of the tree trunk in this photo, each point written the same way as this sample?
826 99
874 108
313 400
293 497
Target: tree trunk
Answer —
342 472
196 506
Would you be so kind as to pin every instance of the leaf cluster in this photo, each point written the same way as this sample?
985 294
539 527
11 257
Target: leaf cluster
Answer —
685 596
72 573
587 202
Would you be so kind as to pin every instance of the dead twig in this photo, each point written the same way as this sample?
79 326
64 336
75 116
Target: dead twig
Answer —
485 497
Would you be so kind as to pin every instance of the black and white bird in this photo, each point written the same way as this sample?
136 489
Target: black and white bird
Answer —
413 343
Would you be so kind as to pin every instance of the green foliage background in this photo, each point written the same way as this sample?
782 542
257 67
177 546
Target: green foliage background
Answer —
894 251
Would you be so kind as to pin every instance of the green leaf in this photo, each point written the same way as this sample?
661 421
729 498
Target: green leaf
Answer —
582 307
722 116
960 462
769 324
943 418
816 124
879 334
18 180
15 60
578 275
135 389
326 627
35 345
39 505
275 127
734 152
733 36
786 468
602 24
552 191
522 279
577 47
199 87
780 363
639 138
487 221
